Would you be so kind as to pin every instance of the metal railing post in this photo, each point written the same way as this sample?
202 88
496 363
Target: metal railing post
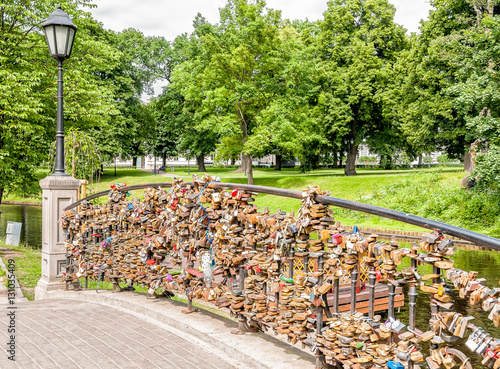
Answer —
354 281
372 279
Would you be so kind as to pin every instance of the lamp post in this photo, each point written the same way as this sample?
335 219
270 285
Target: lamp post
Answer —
188 152
60 34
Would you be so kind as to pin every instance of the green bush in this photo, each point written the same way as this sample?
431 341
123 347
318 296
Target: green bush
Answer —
488 170
432 195
443 159
427 160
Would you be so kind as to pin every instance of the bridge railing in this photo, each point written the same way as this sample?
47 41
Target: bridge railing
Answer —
299 274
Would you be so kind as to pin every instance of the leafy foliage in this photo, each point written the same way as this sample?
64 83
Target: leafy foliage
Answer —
358 44
83 158
28 87
488 169
433 195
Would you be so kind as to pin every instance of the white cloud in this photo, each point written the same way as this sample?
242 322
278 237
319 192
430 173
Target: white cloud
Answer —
410 12
170 18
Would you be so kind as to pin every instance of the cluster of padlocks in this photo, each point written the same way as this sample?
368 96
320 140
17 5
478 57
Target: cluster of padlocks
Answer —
277 271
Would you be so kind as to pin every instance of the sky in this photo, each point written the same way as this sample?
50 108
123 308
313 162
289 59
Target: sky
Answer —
170 18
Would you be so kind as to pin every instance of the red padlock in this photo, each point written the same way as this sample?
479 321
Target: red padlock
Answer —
174 204
234 192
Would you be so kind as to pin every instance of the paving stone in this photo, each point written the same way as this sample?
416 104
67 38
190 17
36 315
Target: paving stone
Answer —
72 334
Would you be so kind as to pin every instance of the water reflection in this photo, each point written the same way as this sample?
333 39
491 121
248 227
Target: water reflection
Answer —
30 216
487 264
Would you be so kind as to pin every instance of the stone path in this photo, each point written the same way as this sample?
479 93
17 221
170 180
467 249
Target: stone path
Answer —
74 334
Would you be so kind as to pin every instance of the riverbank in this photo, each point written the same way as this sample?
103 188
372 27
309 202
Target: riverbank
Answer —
29 203
434 193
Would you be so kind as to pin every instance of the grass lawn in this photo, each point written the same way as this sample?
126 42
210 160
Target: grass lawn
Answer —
363 188
28 266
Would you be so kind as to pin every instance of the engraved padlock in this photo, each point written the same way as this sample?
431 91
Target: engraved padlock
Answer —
470 343
483 346
480 340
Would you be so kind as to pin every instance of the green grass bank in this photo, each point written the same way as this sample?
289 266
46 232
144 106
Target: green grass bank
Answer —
28 261
433 193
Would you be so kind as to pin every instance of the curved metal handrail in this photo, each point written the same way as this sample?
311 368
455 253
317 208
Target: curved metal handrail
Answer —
474 237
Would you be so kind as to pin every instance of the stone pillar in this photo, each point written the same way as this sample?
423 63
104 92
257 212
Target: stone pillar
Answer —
58 192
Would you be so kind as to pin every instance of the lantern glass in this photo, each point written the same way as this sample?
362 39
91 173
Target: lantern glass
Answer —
60 34
61 40
69 44
51 40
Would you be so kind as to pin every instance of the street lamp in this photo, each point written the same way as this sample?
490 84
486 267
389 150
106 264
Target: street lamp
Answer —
60 34
188 152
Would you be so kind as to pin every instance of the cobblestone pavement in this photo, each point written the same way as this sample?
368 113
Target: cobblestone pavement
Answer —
75 334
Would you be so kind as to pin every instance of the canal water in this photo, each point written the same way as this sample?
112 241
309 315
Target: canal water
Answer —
30 216
486 263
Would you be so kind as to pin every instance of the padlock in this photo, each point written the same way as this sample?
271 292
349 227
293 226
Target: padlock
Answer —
496 319
496 365
488 358
479 341
448 361
489 303
484 345
454 322
444 244
395 325
471 343
460 331
494 310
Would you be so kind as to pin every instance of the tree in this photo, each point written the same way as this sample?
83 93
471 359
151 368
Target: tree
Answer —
358 44
238 79
448 79
28 88
142 61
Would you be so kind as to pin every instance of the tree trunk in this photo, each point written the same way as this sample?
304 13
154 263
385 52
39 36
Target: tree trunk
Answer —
1 194
341 155
201 163
350 166
233 161
387 162
134 161
73 163
420 159
242 167
469 164
279 161
164 159
335 156
249 169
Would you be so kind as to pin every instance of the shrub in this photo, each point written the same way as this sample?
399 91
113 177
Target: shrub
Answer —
488 170
443 159
434 196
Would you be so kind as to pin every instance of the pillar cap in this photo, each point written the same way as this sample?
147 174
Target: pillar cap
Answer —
60 183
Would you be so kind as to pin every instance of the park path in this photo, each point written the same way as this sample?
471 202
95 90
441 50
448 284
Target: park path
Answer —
87 330
163 174
74 334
